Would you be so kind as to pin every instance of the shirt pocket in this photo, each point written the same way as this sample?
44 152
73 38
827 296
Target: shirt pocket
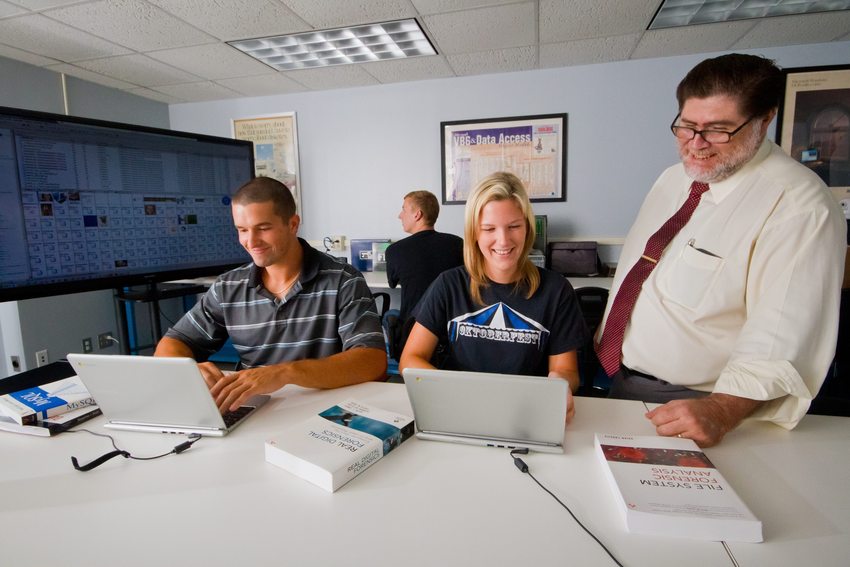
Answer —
690 277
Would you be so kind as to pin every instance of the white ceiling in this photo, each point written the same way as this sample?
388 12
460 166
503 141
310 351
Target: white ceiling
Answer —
174 51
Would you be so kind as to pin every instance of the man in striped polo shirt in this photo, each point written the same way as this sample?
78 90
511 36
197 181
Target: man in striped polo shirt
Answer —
294 314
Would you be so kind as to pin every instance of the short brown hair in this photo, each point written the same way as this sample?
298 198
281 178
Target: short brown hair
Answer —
427 203
755 81
501 186
263 190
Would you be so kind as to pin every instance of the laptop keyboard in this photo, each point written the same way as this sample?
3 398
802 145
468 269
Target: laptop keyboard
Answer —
232 417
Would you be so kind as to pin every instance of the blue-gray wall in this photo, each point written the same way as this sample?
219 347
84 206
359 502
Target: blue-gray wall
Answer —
362 149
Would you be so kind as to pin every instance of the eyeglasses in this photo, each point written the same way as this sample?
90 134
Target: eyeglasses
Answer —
711 136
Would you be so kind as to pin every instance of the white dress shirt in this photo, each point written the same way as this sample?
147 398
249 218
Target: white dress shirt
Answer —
745 299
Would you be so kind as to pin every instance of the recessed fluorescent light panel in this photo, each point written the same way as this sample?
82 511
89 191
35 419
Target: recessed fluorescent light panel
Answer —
341 46
675 13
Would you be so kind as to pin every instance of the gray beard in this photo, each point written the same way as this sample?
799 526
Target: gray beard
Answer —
731 163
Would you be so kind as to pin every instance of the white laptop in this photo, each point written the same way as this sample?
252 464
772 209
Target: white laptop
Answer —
495 410
157 394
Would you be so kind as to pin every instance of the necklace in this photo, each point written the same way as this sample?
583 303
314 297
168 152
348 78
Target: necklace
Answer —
286 287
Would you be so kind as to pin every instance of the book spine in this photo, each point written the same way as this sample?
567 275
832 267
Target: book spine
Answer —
64 422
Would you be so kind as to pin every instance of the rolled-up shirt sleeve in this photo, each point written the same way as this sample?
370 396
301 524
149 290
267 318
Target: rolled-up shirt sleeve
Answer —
359 323
788 341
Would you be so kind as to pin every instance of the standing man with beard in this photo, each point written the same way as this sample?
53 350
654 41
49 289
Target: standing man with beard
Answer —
725 303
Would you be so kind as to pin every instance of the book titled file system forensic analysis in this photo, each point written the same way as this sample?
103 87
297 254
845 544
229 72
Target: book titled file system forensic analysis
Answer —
334 446
667 486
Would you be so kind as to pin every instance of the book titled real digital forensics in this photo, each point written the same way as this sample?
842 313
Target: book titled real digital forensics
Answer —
334 446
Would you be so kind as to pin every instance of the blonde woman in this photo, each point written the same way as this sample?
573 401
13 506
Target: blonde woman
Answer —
499 312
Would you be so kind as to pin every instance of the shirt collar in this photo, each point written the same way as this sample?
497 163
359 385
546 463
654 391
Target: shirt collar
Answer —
309 268
722 189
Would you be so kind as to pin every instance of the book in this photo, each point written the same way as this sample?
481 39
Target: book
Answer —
668 486
52 425
334 446
37 403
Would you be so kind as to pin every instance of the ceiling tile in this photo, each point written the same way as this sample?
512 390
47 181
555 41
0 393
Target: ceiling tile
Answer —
587 51
337 77
705 38
25 56
483 29
43 36
7 10
154 95
235 19
792 30
198 91
324 15
90 76
426 7
581 19
496 61
263 85
410 69
132 23
139 70
212 61
44 4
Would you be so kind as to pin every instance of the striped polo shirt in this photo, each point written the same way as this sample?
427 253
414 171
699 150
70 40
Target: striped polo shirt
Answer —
329 310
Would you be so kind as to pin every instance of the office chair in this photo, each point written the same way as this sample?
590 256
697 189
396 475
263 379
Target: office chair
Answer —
382 302
594 381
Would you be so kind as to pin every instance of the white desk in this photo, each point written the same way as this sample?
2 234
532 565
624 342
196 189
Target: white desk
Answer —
425 504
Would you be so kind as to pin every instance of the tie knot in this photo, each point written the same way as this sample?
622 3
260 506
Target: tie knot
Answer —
698 188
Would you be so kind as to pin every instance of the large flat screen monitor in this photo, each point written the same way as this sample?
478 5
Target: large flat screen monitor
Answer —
88 204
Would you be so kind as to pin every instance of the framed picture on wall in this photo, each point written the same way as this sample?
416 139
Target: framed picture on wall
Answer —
275 140
534 148
813 125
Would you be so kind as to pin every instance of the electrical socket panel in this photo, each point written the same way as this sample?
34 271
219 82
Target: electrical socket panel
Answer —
104 340
41 357
338 243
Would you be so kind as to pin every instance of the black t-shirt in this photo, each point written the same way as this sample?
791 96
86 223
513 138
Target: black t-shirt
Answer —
509 334
417 260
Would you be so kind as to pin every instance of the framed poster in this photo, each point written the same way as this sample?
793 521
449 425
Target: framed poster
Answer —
534 148
813 124
275 140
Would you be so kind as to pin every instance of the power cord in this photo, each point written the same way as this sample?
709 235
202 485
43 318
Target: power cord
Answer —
193 438
523 468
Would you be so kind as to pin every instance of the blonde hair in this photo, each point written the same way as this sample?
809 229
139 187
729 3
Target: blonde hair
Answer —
499 186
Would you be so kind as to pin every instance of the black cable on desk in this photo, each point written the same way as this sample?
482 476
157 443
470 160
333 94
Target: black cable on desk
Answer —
523 468
193 438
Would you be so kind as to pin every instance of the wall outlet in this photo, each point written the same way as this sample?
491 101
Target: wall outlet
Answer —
339 243
87 345
16 364
41 357
104 340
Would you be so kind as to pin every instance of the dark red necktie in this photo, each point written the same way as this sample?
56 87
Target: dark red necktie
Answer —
610 345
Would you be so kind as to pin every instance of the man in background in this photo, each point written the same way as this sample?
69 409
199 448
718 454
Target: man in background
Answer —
415 261
294 314
726 300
